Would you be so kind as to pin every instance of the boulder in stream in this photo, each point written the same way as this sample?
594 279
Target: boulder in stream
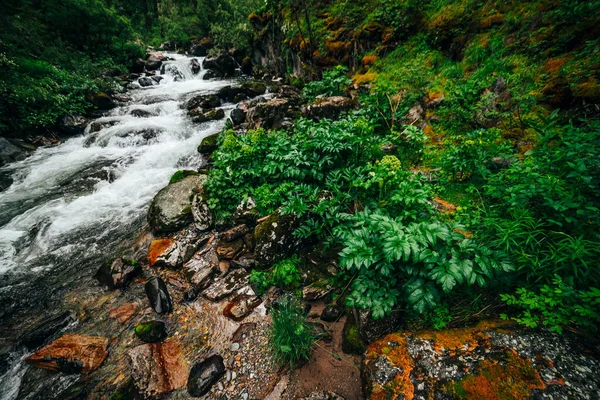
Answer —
171 208
208 144
205 101
158 295
195 66
204 375
233 281
200 115
118 273
71 354
10 152
223 63
238 116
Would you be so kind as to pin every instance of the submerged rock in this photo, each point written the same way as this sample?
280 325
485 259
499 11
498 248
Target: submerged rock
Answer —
118 273
158 294
204 375
171 208
124 313
46 329
71 354
158 368
151 331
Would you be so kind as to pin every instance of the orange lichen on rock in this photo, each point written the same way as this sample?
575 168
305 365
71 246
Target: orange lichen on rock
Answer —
394 348
461 338
443 205
369 60
157 248
513 379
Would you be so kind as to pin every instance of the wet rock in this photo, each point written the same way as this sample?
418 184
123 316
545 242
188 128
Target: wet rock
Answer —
200 115
223 63
370 329
10 152
165 253
247 89
328 107
210 74
124 313
157 78
118 273
203 264
154 61
241 306
169 45
233 281
234 233
103 101
73 124
140 113
245 261
158 368
238 116
331 313
195 66
197 50
5 181
315 291
205 101
71 354
151 331
274 239
171 208
204 375
97 126
145 82
228 250
43 331
208 144
158 295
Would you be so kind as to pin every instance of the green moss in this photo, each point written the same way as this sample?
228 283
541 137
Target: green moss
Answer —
209 144
143 328
352 343
181 174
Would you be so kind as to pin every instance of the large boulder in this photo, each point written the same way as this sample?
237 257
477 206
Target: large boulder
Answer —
223 63
274 239
197 50
158 368
491 360
71 354
200 115
169 45
158 295
103 101
208 144
171 208
195 66
238 116
328 107
118 273
154 61
275 113
249 89
204 375
9 152
73 124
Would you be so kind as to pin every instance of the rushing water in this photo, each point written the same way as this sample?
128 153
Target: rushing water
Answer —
71 205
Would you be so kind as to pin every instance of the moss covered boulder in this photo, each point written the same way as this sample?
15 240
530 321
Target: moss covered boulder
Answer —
492 360
208 144
274 239
171 208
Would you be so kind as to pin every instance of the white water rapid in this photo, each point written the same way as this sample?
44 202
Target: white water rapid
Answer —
71 205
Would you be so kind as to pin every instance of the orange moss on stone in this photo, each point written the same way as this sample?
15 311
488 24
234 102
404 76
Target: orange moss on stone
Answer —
513 379
157 247
361 79
461 338
394 347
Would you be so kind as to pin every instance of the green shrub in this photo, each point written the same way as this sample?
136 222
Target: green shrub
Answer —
556 307
284 274
291 337
334 83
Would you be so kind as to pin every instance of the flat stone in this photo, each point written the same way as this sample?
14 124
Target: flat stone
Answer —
204 375
233 281
165 253
202 265
241 306
158 368
124 313
71 354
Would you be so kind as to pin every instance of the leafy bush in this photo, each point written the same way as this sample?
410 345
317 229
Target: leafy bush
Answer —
424 259
284 274
291 337
556 307
334 83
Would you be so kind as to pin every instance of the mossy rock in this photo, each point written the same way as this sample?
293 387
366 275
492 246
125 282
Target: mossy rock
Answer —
182 173
274 239
151 331
209 144
352 343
